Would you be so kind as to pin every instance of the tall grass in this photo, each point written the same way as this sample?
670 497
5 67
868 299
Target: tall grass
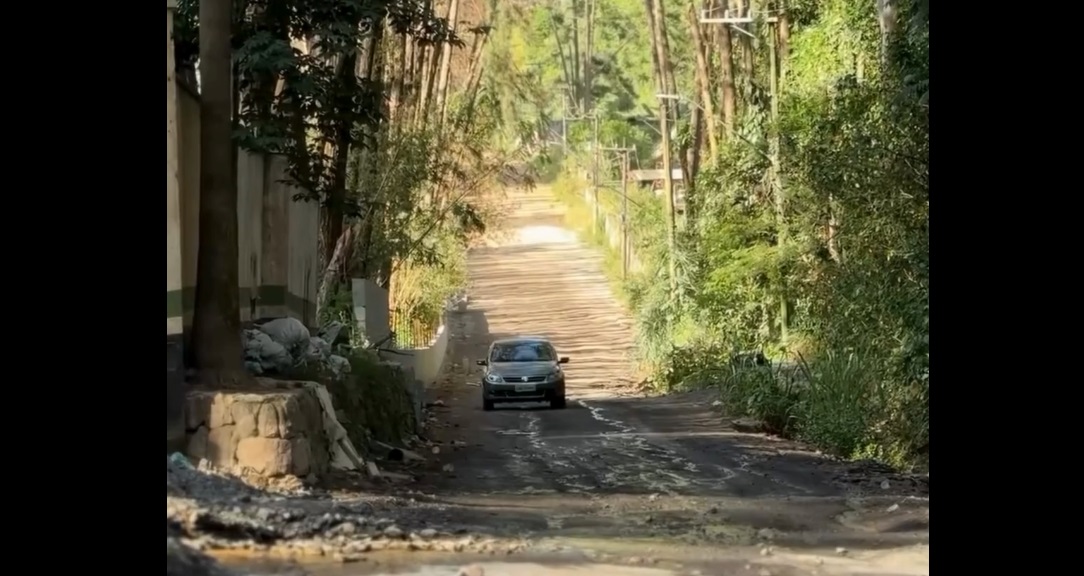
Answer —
837 402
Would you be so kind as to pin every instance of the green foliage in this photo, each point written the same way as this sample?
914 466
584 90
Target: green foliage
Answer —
835 409
826 258
371 400
769 394
842 403
428 193
317 101
339 308
410 197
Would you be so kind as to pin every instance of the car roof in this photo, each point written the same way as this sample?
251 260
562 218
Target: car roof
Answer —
521 339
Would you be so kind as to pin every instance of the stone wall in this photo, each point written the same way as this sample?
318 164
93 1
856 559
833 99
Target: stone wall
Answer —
274 432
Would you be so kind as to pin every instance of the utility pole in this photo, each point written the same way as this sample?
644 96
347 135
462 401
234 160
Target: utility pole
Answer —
594 167
625 152
625 213
773 153
564 129
565 120
668 187
736 21
594 164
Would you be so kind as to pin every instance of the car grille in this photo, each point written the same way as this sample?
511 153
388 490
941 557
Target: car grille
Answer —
512 394
520 380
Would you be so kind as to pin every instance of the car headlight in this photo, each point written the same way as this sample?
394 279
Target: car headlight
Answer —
493 379
555 376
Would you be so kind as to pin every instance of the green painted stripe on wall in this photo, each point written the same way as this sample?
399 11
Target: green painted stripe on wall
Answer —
178 302
174 303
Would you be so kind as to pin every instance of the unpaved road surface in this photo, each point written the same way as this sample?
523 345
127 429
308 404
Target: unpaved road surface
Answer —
616 483
662 478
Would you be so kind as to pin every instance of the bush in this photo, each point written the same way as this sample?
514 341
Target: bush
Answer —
371 401
845 404
838 402
768 393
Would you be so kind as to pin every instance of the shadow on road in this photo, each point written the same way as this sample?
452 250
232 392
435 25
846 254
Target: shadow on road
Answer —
616 465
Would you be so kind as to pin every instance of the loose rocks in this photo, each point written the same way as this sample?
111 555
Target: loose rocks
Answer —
208 509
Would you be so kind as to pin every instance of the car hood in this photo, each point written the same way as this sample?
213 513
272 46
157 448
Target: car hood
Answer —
523 368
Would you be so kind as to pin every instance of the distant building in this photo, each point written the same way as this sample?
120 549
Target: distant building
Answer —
654 178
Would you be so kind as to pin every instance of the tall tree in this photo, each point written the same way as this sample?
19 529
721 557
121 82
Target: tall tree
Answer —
703 76
728 93
216 325
745 44
665 80
446 63
656 66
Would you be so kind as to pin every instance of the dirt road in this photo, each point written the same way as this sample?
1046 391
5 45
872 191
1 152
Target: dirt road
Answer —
615 484
663 478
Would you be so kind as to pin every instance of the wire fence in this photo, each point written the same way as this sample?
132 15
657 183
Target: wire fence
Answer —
411 332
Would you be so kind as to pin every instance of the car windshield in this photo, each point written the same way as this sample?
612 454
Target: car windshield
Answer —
525 351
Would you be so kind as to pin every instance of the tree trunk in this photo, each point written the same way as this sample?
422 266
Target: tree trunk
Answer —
566 68
430 73
341 140
886 18
664 80
703 78
783 28
216 330
336 267
426 72
669 83
372 68
656 66
577 86
745 43
474 76
398 76
588 57
692 153
665 63
417 79
726 79
446 65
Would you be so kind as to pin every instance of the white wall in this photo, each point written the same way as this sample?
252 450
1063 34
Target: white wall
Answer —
173 201
427 362
277 238
371 313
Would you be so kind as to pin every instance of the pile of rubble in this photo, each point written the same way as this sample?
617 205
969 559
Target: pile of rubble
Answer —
276 346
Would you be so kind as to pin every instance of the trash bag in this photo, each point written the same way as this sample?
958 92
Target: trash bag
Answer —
289 332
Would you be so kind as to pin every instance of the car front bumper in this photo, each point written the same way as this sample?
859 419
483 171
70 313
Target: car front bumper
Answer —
517 392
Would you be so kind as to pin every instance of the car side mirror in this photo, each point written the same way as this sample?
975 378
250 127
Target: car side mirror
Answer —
482 362
562 360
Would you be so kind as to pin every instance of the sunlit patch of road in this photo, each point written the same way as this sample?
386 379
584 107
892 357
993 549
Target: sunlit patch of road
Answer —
542 280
